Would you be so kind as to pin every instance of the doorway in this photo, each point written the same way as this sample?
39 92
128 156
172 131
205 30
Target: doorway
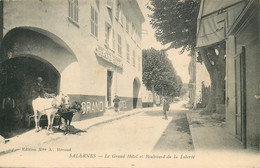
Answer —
109 85
136 88
240 96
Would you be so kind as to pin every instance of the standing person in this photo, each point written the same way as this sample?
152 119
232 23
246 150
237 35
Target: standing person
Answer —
166 107
8 107
116 103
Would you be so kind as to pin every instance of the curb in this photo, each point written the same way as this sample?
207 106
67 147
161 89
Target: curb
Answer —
192 132
112 119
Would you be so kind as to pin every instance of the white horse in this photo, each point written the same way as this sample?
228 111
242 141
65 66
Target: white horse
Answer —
48 107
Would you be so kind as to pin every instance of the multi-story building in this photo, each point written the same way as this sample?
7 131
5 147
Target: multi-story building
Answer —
237 23
89 49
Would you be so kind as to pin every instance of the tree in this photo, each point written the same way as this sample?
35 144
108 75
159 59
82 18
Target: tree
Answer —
159 76
214 60
175 22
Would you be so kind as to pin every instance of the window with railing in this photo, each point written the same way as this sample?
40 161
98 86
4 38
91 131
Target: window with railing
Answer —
119 46
94 22
73 10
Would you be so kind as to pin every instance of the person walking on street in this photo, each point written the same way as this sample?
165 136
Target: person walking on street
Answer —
166 107
116 103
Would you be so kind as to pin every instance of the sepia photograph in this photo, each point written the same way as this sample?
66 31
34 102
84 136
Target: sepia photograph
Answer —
130 83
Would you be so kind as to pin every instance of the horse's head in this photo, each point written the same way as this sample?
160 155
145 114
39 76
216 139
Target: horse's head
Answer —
65 100
61 100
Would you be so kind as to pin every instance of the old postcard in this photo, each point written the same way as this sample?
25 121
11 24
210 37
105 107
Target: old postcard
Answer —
129 83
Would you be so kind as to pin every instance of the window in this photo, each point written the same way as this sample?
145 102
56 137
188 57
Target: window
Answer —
98 3
133 31
139 39
119 14
94 22
118 10
122 19
119 46
73 10
133 58
127 25
127 53
109 37
139 63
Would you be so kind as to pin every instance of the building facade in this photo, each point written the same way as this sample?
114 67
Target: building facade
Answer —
90 50
236 22
243 80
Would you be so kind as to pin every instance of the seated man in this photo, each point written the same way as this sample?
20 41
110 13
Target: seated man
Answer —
38 90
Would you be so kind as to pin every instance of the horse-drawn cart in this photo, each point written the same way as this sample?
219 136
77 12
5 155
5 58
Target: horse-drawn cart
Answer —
43 121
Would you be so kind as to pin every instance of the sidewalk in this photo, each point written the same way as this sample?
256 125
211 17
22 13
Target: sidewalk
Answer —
30 138
210 134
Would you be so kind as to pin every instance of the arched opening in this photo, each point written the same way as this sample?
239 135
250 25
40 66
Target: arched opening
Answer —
17 77
136 88
27 53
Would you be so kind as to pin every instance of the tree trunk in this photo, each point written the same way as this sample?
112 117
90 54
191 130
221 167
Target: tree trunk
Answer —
211 106
216 67
153 92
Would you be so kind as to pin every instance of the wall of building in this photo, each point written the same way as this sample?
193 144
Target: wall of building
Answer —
230 85
247 36
70 47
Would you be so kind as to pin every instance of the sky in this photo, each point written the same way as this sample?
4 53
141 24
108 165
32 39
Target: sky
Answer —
180 61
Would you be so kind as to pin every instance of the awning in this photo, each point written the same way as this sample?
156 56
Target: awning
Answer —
215 18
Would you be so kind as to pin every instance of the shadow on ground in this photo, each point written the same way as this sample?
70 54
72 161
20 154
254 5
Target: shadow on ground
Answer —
73 130
176 137
183 125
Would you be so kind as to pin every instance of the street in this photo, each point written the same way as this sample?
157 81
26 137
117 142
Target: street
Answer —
145 133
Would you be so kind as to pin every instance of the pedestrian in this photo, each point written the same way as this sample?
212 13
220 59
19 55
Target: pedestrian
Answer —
8 107
116 103
166 107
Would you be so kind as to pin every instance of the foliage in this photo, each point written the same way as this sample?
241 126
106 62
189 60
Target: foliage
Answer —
175 22
159 74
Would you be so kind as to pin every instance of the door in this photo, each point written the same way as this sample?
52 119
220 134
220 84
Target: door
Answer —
109 84
240 93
